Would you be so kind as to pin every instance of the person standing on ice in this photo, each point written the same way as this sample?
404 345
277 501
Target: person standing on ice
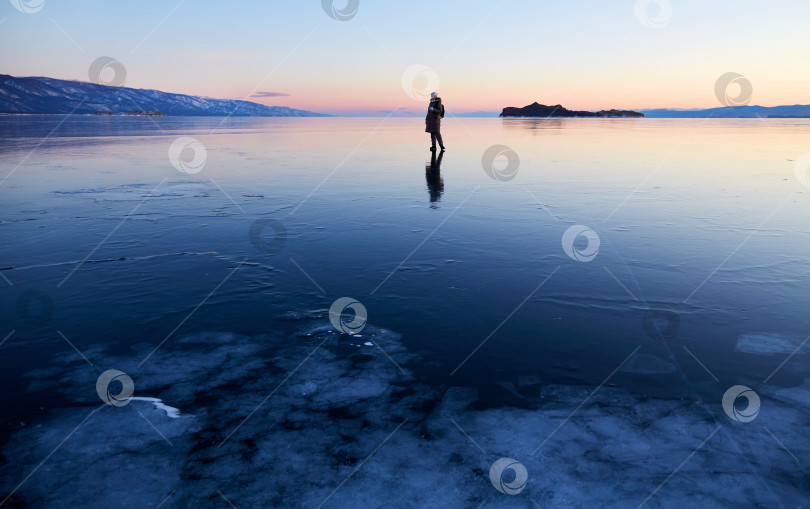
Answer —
433 121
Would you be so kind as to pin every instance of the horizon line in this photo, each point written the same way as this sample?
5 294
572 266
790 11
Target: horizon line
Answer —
378 112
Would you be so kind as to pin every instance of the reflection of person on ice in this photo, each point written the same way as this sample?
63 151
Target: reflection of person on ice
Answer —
433 121
433 177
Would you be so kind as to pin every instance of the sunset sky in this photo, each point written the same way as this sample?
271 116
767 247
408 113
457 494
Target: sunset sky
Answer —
588 54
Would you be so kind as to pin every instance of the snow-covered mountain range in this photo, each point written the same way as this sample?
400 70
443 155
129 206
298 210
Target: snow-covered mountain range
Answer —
794 111
50 95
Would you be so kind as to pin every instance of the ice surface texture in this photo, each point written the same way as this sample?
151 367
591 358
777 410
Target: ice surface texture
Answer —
768 343
323 418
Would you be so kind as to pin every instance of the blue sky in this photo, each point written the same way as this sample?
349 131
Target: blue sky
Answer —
483 55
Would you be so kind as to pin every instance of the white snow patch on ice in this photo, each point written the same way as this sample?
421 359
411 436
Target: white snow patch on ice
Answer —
767 343
171 412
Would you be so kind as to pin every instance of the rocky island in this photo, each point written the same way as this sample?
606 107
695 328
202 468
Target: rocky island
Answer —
541 110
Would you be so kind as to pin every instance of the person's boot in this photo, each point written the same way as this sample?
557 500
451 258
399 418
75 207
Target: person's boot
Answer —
442 146
433 148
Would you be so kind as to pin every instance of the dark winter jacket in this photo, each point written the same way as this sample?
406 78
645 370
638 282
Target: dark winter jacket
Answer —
433 119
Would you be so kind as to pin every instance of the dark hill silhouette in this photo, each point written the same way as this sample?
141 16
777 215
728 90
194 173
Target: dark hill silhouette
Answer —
541 110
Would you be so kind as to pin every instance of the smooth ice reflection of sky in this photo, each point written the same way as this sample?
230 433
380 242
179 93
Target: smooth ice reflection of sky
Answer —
699 219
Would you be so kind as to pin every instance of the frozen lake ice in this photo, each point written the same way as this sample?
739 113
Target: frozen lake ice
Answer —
600 367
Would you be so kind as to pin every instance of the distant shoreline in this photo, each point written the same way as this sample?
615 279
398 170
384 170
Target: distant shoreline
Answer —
120 115
43 95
